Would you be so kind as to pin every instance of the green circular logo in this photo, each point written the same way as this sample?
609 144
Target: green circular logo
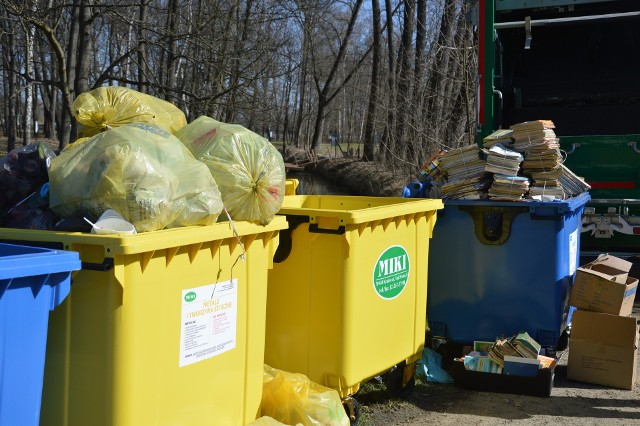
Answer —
391 272
190 297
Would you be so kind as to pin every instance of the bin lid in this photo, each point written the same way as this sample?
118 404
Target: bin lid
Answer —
563 206
18 261
144 242
356 209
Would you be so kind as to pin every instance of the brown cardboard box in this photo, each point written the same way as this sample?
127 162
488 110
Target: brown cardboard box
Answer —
604 286
603 349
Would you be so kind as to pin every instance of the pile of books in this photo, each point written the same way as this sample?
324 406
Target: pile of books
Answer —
542 158
503 161
518 355
509 188
521 345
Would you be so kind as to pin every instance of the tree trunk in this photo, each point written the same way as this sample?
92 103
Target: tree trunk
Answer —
9 79
172 63
369 132
387 145
143 72
325 96
28 96
404 75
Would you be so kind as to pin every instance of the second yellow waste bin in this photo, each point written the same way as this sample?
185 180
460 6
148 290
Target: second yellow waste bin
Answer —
347 292
161 328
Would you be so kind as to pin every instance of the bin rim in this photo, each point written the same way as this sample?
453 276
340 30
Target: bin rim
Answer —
568 205
36 261
385 208
122 244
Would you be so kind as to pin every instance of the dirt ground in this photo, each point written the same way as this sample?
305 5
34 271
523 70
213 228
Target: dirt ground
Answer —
570 403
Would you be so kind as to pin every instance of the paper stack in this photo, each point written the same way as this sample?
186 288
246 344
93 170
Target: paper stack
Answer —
463 163
464 170
510 188
553 189
502 136
532 133
542 158
572 184
502 160
474 188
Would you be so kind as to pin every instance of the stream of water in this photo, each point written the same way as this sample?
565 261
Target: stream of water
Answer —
311 184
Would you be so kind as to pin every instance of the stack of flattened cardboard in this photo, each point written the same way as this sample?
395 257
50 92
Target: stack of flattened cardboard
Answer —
604 338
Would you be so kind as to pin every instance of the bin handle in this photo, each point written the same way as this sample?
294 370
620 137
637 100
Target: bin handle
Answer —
286 242
106 265
314 228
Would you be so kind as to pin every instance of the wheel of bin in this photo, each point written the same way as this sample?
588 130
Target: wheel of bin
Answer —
396 385
352 408
563 341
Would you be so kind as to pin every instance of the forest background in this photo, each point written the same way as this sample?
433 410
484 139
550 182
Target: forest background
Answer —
394 79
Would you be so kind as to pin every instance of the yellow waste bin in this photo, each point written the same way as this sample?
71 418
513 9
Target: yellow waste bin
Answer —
291 185
348 289
161 328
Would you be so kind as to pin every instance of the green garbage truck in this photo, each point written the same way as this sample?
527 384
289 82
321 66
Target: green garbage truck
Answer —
575 62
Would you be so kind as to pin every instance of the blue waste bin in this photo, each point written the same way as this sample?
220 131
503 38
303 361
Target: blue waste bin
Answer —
498 268
33 281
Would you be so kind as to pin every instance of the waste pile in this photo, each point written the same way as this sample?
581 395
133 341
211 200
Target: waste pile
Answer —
515 164
137 156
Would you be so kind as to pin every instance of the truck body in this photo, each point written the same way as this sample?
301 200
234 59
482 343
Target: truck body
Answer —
577 63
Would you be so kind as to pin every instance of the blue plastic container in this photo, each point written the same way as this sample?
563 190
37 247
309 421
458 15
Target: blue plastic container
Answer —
33 281
498 268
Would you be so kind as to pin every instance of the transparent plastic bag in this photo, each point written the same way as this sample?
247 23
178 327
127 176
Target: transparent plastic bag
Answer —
291 398
139 170
249 170
113 106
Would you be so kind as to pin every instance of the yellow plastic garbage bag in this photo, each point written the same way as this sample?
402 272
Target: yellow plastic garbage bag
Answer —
113 106
249 170
267 421
139 170
292 398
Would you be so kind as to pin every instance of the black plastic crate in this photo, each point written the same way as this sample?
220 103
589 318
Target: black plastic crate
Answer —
541 385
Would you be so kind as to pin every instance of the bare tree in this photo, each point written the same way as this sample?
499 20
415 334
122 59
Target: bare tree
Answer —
326 85
369 133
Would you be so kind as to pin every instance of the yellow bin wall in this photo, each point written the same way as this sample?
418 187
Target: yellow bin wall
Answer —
114 345
325 318
291 185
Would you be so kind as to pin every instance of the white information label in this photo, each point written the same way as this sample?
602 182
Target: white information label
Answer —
573 251
209 326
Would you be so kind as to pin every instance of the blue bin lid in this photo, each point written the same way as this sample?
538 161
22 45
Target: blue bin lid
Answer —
18 261
563 206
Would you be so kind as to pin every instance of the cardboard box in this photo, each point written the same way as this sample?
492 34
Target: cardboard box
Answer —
604 286
603 349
